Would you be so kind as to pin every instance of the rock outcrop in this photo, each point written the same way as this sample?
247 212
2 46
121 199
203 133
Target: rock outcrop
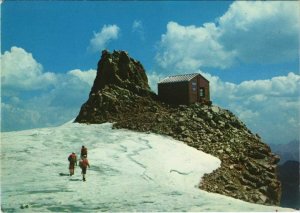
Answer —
121 94
121 70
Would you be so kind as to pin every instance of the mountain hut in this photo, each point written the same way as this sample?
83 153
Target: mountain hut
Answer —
184 89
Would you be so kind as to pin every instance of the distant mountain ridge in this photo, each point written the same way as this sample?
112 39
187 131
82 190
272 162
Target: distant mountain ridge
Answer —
121 95
287 151
289 172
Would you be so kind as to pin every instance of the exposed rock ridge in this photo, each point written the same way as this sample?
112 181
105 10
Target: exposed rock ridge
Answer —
121 94
119 69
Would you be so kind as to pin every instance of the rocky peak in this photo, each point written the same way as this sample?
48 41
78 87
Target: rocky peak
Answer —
119 69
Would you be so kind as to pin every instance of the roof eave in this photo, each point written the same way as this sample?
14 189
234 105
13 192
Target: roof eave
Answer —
172 82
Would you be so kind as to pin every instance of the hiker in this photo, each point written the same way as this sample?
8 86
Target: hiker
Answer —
73 161
84 163
83 151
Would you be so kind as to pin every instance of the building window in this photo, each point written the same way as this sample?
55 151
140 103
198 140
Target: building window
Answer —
194 86
201 92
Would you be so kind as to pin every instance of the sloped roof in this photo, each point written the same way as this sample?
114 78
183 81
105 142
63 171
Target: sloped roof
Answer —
179 78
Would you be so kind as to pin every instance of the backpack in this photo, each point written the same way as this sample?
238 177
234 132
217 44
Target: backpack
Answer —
72 159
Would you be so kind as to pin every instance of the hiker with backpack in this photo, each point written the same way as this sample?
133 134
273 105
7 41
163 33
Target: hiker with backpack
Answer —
72 162
83 152
84 163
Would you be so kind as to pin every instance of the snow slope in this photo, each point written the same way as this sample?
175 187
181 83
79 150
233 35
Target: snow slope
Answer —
129 172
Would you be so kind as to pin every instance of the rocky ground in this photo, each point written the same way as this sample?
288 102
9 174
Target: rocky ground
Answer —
121 95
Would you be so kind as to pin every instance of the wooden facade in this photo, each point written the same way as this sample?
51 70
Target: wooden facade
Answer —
184 89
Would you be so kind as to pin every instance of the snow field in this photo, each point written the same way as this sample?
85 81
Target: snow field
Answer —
129 172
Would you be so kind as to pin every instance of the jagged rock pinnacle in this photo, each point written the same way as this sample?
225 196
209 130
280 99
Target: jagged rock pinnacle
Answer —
119 69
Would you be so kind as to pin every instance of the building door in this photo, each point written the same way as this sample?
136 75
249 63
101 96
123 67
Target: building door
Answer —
201 93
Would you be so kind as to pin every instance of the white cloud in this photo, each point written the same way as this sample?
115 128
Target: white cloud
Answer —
153 79
266 106
191 47
281 86
252 32
261 31
46 107
102 38
40 105
85 76
21 71
138 27
15 118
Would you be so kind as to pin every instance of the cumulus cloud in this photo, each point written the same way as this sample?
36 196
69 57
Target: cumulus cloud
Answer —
138 27
153 79
85 76
47 107
192 47
101 39
261 31
40 106
266 106
14 117
252 32
21 71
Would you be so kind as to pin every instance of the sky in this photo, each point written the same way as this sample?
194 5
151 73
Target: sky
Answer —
138 172
249 51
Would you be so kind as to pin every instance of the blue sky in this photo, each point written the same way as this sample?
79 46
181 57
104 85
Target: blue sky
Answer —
248 51
46 27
